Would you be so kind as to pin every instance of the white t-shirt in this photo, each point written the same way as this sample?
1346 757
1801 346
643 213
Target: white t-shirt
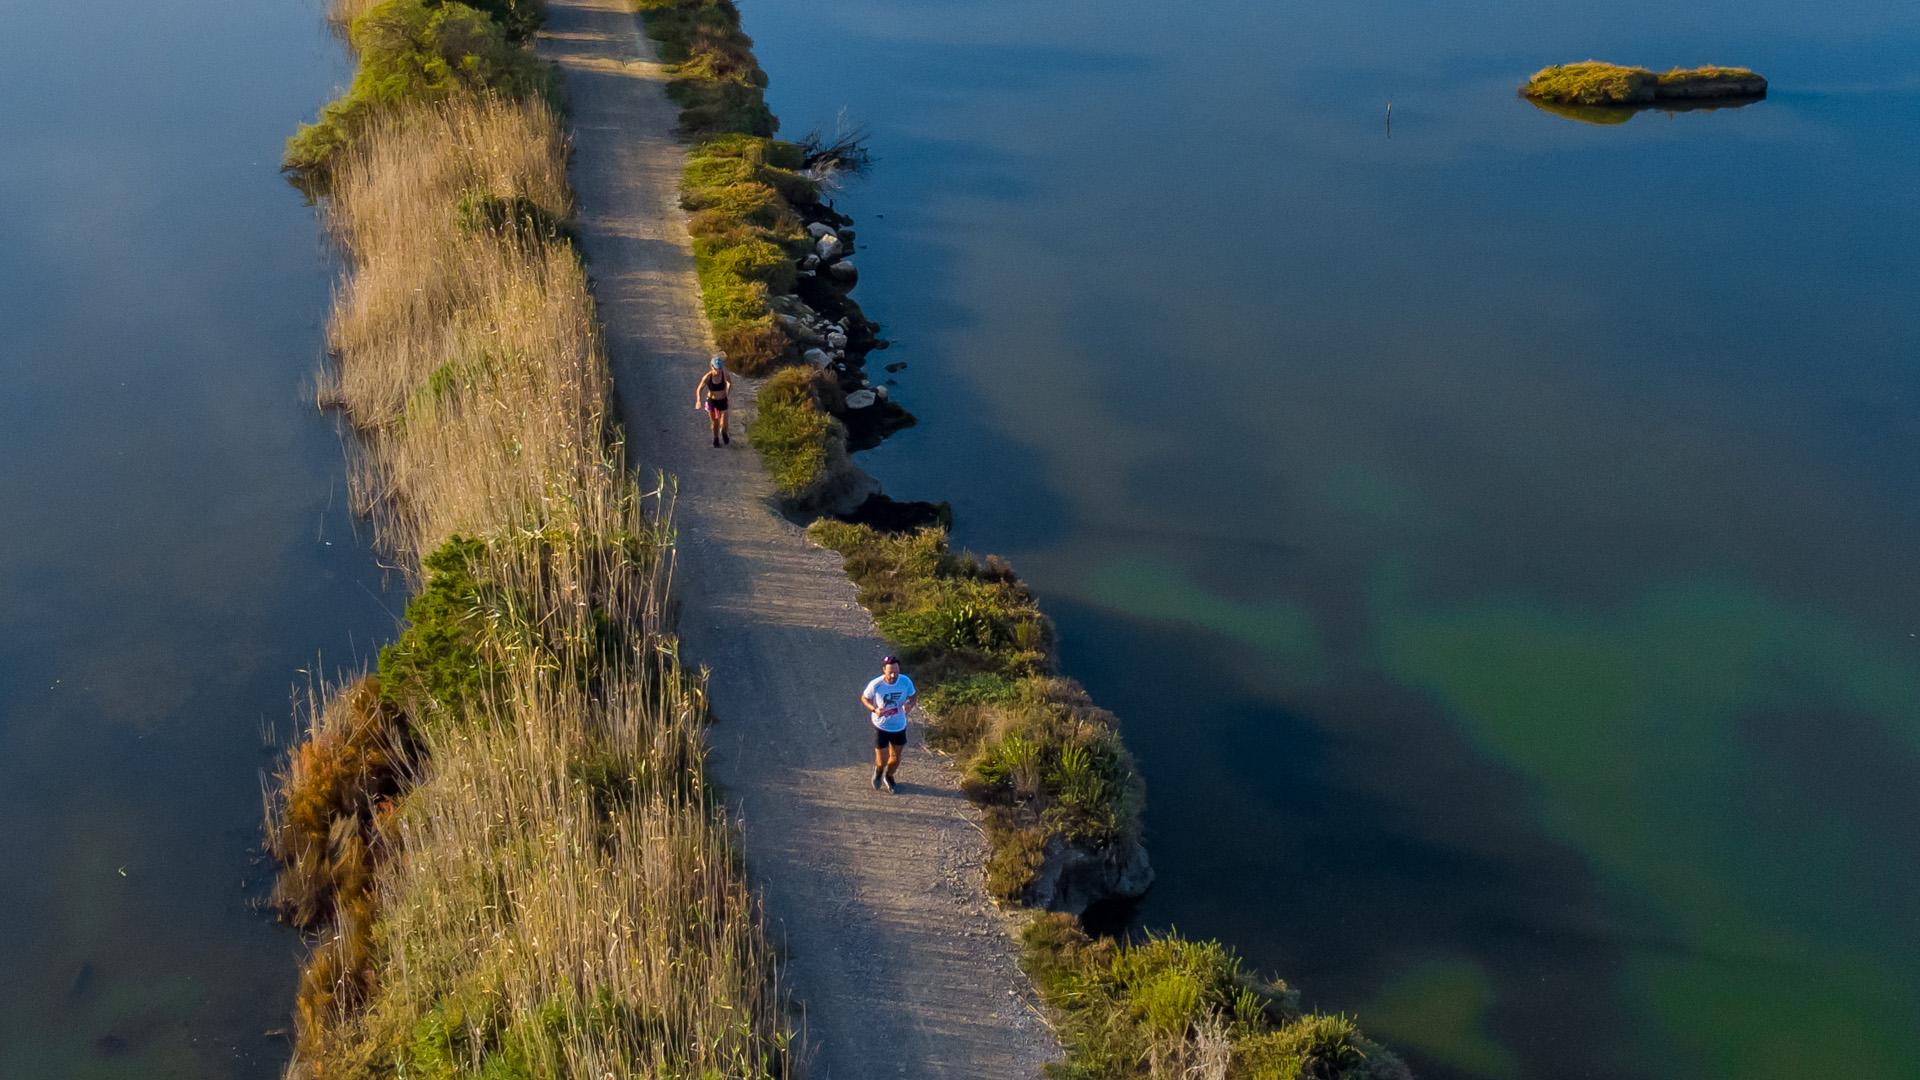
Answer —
892 699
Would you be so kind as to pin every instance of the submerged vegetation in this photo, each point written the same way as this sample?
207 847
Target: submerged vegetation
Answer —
504 841
1595 83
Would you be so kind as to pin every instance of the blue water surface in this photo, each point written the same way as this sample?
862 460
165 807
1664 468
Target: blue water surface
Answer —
1495 531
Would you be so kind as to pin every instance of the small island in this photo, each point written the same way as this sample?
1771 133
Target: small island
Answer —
1593 82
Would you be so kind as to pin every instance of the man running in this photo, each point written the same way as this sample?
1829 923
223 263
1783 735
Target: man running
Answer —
710 395
888 698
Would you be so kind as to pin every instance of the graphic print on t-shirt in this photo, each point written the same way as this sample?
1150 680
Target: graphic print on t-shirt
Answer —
892 699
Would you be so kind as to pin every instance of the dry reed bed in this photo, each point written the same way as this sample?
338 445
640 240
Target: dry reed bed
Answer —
510 854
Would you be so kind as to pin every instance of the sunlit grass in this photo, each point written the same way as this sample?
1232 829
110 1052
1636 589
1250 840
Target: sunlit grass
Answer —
506 842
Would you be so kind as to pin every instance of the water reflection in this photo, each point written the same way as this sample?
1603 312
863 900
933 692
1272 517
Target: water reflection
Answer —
1609 115
178 547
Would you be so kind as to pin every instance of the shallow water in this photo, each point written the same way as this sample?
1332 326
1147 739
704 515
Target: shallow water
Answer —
179 551
1495 531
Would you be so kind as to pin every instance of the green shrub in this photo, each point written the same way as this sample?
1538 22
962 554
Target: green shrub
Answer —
792 433
415 51
437 667
1140 1011
519 18
729 298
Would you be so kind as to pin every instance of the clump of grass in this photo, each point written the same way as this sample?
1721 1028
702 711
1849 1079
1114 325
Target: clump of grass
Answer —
1594 82
526 875
1177 1009
794 436
416 51
950 614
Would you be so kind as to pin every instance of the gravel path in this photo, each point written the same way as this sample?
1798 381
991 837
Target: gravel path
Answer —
893 953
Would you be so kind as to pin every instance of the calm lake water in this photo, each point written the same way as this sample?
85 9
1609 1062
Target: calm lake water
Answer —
1496 532
178 547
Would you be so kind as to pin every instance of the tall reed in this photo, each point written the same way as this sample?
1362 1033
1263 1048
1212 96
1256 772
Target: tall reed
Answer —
548 889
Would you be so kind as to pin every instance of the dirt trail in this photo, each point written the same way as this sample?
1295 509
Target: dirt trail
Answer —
899 962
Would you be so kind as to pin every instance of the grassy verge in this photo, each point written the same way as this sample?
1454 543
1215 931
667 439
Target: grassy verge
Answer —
1593 82
503 841
1047 765
1173 1008
741 186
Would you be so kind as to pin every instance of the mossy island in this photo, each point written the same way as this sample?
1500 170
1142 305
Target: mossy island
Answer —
1595 83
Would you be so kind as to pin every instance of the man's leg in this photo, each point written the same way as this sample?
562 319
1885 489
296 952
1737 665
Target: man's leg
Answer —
893 760
879 764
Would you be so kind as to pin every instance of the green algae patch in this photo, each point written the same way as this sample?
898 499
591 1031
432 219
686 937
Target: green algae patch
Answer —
1441 1006
1675 707
1597 83
1146 589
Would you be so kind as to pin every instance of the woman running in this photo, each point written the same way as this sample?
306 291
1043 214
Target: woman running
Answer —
710 393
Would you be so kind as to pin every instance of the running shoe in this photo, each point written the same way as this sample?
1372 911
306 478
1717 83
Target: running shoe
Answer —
892 788
876 779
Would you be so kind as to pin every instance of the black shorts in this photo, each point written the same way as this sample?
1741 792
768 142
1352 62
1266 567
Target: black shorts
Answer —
717 404
884 739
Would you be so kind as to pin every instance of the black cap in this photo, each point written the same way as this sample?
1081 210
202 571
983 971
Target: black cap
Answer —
889 659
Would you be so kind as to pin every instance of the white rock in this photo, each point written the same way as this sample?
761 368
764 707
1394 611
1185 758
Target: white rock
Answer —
836 340
828 246
819 229
816 357
860 399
